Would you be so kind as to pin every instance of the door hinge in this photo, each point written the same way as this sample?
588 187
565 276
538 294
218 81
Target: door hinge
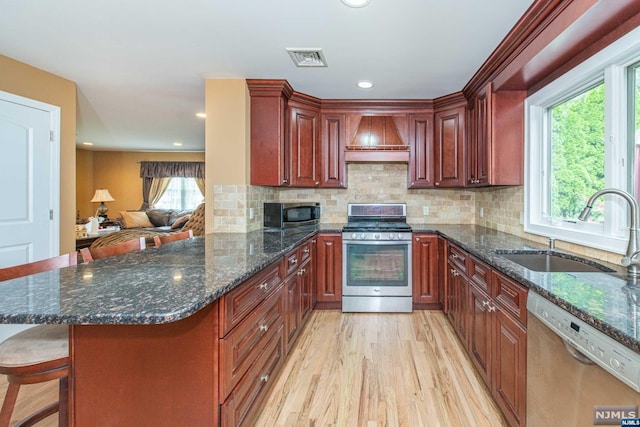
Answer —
51 214
51 136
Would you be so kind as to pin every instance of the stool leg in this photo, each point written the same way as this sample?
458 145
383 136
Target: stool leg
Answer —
63 399
8 404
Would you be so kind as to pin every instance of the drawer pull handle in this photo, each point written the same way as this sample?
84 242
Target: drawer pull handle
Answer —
294 261
491 308
264 328
306 250
485 303
454 256
264 378
264 286
301 271
454 272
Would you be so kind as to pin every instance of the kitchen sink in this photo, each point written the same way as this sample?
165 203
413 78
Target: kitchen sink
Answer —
552 261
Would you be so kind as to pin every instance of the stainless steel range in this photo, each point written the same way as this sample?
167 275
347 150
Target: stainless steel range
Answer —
376 263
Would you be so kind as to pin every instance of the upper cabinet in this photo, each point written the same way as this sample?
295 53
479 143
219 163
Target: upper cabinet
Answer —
332 137
495 138
449 147
421 160
304 143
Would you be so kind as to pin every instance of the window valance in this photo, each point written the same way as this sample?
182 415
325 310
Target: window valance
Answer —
172 169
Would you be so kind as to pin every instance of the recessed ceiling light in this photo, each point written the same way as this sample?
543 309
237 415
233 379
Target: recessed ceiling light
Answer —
201 115
365 84
87 143
177 144
356 3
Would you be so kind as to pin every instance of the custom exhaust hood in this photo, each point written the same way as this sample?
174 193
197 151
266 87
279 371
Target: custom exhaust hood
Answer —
377 140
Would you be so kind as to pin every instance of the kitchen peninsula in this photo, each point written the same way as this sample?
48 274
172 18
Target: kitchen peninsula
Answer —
147 329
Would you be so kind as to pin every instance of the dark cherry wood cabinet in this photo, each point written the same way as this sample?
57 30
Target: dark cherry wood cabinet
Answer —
488 312
496 138
443 250
333 136
421 151
450 147
297 288
425 271
304 143
328 272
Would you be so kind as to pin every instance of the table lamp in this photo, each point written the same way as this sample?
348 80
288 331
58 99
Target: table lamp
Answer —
102 195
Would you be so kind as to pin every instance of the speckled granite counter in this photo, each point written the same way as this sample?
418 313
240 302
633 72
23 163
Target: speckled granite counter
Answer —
607 301
157 285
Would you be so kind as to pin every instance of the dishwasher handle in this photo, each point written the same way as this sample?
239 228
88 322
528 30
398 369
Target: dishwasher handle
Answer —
577 354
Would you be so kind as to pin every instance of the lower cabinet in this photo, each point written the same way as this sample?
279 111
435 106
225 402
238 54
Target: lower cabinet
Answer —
259 322
488 312
425 271
328 270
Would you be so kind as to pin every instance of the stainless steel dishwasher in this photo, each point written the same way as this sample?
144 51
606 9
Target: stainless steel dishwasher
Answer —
576 375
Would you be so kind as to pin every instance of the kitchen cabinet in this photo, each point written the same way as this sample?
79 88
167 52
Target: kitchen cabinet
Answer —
496 138
443 250
425 271
328 272
297 289
421 154
304 144
450 147
458 284
488 312
333 135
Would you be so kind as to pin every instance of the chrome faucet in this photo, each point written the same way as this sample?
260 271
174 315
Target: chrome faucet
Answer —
630 259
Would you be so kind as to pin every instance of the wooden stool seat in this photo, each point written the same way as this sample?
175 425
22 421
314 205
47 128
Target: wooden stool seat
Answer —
35 345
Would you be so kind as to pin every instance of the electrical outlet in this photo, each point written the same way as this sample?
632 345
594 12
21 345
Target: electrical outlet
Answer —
481 212
251 213
425 210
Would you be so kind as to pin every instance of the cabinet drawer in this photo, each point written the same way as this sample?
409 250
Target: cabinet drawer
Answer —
245 401
238 303
511 295
291 261
458 257
480 274
305 251
242 346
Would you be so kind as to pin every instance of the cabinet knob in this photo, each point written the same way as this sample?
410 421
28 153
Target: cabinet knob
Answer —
285 181
306 250
264 286
417 239
301 272
264 378
294 261
264 328
437 184
317 182
491 308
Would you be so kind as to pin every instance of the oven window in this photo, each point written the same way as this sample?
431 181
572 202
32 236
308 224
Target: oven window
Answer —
377 265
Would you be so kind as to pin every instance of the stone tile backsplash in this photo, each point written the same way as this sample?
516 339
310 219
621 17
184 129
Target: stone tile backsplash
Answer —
502 207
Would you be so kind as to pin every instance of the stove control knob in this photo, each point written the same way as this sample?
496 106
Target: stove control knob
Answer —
400 236
363 236
391 236
376 236
354 235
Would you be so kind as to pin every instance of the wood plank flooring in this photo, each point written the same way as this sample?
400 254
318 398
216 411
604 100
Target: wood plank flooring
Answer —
366 369
359 370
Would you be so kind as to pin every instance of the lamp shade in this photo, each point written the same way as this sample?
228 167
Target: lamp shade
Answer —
102 195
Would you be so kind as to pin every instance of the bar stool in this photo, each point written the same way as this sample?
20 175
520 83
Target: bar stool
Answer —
38 354
173 237
90 254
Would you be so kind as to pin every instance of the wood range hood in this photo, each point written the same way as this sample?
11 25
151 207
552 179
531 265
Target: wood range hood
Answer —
377 140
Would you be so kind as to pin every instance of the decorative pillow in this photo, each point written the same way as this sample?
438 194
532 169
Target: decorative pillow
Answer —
159 217
178 223
135 219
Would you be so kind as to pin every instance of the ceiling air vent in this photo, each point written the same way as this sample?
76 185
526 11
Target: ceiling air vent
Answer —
307 57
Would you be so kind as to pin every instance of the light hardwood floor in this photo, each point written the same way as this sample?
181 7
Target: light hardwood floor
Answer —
379 370
360 370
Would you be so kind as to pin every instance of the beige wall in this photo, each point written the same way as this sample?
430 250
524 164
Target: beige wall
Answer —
119 172
24 80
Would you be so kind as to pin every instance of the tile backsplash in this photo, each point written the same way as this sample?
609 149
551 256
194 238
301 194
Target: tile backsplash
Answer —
501 207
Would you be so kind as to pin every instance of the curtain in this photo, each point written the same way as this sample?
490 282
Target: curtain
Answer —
156 176
200 184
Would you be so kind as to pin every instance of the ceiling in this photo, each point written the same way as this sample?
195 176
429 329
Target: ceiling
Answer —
140 66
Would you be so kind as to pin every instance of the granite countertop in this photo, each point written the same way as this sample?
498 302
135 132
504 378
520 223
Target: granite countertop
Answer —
610 302
157 285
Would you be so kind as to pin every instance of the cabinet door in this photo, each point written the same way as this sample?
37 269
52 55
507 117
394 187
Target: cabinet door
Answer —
333 137
442 276
509 370
425 270
479 150
329 270
421 158
304 280
480 331
292 311
305 147
450 148
269 151
457 301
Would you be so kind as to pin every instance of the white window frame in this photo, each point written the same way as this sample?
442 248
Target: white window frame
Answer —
609 65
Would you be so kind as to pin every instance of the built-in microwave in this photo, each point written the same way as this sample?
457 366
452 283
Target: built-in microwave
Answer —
281 215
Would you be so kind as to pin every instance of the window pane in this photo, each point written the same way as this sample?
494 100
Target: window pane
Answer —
182 193
635 111
577 155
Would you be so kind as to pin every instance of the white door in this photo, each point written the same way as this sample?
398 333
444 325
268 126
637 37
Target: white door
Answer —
29 180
